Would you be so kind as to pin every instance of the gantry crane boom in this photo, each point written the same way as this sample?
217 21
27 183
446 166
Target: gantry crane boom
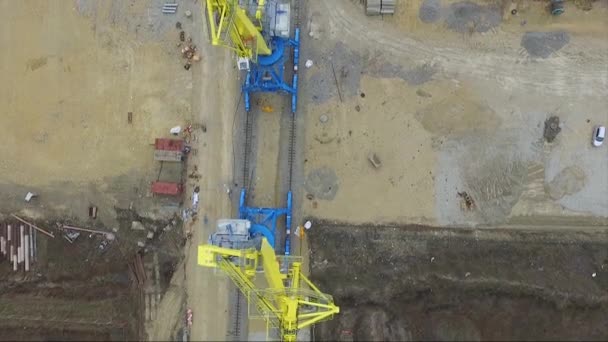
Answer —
290 302
231 27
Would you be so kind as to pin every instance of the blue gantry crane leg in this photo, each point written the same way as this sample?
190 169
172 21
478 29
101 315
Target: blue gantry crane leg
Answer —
268 74
264 220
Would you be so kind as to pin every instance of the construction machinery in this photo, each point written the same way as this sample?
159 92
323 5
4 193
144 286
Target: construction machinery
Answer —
288 301
259 33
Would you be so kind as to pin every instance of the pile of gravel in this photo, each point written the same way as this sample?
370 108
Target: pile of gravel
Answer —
543 44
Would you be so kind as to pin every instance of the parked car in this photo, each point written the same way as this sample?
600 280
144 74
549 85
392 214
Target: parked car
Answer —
599 134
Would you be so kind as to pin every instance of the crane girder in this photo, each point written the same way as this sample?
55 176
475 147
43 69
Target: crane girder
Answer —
231 27
289 302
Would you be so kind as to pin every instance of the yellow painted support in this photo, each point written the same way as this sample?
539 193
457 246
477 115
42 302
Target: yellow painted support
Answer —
291 301
230 27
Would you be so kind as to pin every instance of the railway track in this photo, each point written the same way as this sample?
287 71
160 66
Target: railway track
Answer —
239 303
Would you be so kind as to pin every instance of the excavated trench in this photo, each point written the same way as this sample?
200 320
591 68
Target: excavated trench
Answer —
424 283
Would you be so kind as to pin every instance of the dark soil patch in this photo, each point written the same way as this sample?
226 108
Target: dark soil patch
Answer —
423 283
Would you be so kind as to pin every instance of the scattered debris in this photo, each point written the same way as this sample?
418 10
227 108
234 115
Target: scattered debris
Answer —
130 117
594 274
585 5
178 25
182 36
373 158
107 235
93 212
188 13
307 225
552 128
29 196
150 235
310 197
175 130
194 174
432 259
71 236
557 7
136 225
468 200
141 244
423 93
324 118
466 275
194 200
336 80
309 63
358 108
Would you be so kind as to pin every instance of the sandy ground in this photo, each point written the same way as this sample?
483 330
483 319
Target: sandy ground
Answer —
76 69
447 112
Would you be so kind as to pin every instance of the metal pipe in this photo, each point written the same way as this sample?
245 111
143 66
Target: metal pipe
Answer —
27 253
21 244
15 263
35 245
31 243
37 228
10 233
65 226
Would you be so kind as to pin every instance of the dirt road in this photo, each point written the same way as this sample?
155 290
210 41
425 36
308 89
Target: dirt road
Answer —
215 96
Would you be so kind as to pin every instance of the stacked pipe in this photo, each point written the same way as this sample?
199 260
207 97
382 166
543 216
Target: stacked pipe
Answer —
169 8
18 245
377 7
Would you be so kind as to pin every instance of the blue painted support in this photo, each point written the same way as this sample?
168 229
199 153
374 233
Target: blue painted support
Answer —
268 74
264 220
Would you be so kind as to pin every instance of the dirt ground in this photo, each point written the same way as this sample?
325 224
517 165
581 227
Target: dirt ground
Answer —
422 283
77 68
456 104
452 97
73 70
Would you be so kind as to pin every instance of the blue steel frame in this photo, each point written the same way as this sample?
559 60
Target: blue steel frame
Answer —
268 74
264 220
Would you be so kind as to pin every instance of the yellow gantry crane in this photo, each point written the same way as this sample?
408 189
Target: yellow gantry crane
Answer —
289 302
231 27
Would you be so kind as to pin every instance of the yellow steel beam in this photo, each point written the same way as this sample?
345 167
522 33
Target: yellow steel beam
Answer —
279 302
230 27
